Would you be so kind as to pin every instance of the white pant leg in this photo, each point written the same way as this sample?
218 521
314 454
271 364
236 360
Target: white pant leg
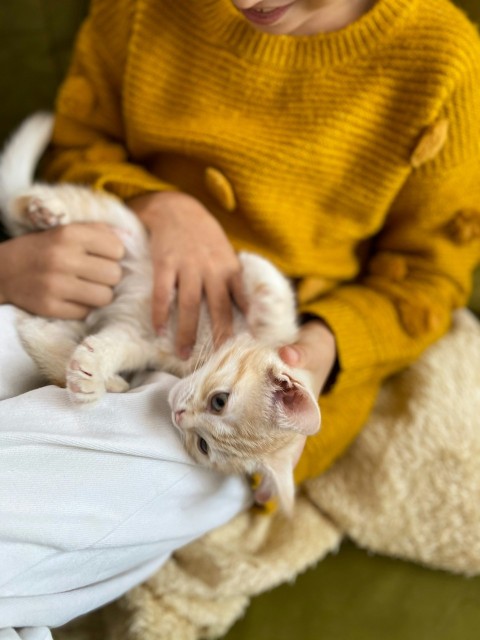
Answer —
18 373
93 500
29 633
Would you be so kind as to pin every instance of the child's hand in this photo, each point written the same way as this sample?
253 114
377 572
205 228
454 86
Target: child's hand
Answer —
192 254
62 272
315 351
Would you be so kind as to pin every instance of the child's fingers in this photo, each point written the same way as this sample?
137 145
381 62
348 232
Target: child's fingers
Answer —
237 292
101 270
220 309
96 239
164 282
101 240
89 294
54 307
68 310
291 355
189 298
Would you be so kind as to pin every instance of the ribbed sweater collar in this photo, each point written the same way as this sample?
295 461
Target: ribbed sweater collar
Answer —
225 25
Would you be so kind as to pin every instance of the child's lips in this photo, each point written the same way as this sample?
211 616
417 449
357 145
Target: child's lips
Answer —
267 16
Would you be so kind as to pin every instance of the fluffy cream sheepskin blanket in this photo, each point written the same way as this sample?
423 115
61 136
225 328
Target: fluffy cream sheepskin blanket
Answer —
408 487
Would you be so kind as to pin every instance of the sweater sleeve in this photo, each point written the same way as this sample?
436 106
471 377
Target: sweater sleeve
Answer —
90 141
420 265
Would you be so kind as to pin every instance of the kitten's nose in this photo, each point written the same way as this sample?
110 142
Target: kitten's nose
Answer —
178 415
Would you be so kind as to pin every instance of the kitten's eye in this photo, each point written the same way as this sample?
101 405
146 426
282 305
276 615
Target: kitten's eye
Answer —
218 401
202 445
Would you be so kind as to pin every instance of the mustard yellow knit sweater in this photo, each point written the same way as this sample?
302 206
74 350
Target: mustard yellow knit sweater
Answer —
350 159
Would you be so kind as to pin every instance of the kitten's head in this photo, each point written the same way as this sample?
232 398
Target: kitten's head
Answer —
246 411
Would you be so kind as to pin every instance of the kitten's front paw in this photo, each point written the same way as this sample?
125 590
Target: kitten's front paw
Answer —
42 216
271 314
85 382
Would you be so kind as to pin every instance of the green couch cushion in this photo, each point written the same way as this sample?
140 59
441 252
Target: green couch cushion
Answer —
37 37
358 596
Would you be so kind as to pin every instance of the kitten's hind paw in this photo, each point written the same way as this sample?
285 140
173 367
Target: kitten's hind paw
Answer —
40 215
85 382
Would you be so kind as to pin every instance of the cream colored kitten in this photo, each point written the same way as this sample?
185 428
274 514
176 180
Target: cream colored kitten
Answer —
239 409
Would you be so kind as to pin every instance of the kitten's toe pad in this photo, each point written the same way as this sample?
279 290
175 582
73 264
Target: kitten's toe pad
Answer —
42 216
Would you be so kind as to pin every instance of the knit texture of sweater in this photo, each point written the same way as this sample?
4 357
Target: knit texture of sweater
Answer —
350 159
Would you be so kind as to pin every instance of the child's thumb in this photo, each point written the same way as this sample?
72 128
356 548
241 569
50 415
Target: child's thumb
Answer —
291 355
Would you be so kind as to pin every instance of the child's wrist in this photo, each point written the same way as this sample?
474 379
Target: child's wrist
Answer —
325 342
145 206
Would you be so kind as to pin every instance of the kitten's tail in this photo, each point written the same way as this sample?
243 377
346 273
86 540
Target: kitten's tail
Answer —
21 155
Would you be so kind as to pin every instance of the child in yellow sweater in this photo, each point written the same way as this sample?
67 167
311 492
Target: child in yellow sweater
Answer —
338 138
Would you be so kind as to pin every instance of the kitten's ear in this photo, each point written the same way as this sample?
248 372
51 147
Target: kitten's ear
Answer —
297 408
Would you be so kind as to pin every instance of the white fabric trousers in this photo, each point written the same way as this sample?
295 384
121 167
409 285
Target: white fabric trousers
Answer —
92 499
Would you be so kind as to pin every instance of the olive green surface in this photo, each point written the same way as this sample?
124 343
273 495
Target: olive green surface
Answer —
36 38
358 596
351 595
